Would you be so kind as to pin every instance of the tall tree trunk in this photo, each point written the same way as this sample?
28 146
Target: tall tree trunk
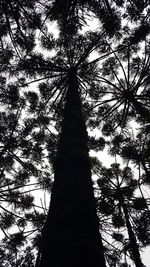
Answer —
71 235
133 242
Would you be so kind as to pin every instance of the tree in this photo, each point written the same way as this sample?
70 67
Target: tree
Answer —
77 229
71 16
117 193
19 20
134 148
71 234
123 90
65 80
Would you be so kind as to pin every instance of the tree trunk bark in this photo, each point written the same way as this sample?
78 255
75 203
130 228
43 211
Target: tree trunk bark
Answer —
71 235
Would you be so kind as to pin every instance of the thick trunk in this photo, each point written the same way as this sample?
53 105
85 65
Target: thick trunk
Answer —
133 243
71 236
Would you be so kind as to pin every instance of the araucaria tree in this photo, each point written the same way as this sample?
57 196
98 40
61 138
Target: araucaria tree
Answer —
71 234
62 97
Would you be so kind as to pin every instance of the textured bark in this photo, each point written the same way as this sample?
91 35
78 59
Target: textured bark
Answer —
71 235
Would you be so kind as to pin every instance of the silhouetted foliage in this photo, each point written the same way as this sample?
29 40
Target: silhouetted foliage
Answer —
117 201
39 144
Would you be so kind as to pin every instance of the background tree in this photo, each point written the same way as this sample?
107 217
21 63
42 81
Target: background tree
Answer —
118 201
123 90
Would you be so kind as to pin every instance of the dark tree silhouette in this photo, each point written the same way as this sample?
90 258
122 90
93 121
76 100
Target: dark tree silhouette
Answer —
72 89
71 233
134 148
123 90
117 193
72 225
71 16
19 20
138 11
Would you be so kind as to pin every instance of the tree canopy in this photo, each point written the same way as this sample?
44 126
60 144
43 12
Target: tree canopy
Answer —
112 67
